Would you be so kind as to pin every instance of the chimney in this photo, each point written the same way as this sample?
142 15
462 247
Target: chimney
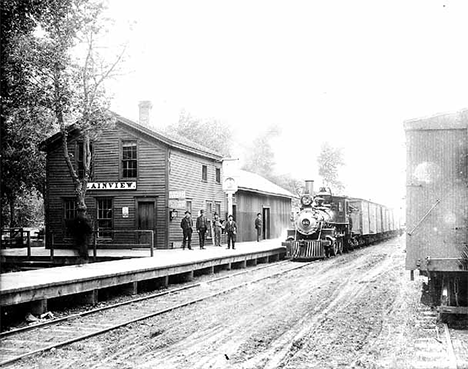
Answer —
145 113
309 187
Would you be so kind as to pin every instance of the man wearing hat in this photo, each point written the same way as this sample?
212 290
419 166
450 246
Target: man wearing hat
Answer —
202 226
231 230
186 224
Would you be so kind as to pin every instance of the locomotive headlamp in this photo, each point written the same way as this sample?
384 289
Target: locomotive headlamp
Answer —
306 200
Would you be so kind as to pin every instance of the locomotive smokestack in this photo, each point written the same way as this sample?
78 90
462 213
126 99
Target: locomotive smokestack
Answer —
309 187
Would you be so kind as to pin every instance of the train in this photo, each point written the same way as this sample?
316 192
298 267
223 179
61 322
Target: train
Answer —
437 209
328 225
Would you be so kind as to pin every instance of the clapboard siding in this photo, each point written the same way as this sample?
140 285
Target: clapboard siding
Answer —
248 204
106 168
185 174
162 166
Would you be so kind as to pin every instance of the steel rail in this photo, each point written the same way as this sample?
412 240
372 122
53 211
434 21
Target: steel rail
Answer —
128 302
156 313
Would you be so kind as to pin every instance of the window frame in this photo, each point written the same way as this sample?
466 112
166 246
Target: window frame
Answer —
106 235
71 211
79 159
218 175
204 173
123 161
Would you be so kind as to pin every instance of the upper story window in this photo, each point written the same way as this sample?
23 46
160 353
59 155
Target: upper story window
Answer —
204 173
80 163
218 175
129 159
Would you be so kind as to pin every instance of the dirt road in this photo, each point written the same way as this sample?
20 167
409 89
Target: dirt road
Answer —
358 310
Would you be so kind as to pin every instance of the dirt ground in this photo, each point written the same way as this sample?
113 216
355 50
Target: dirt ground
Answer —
359 310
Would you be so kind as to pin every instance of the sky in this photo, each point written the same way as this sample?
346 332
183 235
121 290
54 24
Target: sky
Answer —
346 72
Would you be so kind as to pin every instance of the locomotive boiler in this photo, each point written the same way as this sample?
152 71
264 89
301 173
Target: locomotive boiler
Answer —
321 227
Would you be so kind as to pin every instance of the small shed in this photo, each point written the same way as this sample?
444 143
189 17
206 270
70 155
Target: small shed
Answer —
257 194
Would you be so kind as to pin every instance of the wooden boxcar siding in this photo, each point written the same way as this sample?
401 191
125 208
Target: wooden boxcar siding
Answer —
185 174
436 171
361 220
150 184
248 204
372 218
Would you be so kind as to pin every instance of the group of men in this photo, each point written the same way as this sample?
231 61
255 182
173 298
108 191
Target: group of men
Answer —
202 224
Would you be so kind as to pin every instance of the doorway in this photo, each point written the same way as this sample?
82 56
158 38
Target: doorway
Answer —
146 221
266 223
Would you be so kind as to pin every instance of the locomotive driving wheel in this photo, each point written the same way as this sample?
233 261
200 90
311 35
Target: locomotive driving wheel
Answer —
333 248
339 246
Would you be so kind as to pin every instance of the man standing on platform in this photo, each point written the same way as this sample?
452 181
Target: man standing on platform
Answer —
231 230
202 226
186 224
217 227
258 226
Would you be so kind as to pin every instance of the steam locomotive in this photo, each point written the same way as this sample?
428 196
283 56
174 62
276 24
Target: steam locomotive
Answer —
328 225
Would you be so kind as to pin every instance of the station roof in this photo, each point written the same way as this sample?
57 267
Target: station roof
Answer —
168 138
253 182
451 120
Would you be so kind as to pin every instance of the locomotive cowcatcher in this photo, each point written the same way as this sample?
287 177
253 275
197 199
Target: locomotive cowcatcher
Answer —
321 227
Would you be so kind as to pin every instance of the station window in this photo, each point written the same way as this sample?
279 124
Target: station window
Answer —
218 175
204 173
129 159
218 207
188 206
209 208
104 218
69 207
80 159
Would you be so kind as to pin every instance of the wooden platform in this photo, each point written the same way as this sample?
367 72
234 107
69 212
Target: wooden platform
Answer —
37 286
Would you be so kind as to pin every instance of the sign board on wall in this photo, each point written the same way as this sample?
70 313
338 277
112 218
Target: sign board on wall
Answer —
177 194
177 199
177 204
111 186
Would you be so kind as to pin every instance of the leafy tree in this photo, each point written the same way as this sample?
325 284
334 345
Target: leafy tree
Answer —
260 158
329 162
21 116
211 133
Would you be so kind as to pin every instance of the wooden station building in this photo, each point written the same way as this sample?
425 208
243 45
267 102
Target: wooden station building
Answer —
143 179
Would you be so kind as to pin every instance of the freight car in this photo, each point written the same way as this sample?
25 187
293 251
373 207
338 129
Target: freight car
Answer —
437 208
371 222
327 225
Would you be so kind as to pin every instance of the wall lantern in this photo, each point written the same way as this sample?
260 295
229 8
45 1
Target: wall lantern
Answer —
173 214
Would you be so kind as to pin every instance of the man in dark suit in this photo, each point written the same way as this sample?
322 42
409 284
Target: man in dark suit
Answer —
202 226
231 230
186 224
258 226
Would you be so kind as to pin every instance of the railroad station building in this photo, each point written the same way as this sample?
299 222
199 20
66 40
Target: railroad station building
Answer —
143 179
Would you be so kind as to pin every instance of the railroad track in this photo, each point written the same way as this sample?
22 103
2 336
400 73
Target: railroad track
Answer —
36 339
437 348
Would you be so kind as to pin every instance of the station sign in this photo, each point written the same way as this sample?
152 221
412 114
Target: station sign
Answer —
111 186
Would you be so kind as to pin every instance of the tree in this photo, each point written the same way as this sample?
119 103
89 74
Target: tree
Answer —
261 158
21 116
210 133
329 162
63 80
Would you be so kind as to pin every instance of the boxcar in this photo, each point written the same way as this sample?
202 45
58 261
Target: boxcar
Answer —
437 208
371 222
